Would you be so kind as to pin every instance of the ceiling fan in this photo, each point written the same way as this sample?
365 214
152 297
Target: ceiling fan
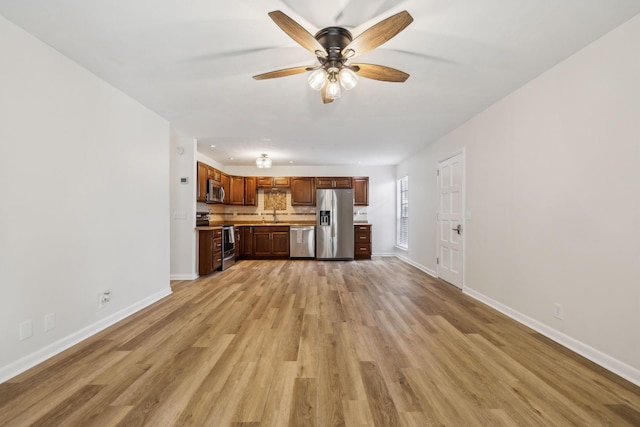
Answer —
334 47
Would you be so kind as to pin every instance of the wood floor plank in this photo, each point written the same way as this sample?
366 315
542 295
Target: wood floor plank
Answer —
318 343
357 413
381 405
329 386
68 406
277 409
304 406
309 342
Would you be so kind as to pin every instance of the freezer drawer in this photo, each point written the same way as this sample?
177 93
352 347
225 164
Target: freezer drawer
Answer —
302 242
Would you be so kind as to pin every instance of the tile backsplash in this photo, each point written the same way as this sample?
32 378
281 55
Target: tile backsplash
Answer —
275 199
266 202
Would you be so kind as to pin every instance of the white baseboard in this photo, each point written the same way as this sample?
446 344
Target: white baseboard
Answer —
31 360
192 276
616 366
427 270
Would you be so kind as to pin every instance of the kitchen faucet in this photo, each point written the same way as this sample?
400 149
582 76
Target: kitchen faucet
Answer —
275 218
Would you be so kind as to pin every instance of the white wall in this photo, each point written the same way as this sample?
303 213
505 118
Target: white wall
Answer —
183 208
553 190
84 201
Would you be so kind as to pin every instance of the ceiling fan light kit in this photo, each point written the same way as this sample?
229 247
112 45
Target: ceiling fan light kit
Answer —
333 47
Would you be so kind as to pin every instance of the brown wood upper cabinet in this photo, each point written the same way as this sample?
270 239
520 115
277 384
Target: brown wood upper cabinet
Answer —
360 190
215 175
274 182
333 182
236 190
203 175
224 179
250 191
303 191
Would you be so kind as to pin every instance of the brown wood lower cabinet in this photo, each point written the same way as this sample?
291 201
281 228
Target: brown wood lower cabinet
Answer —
246 242
209 251
271 242
362 241
238 241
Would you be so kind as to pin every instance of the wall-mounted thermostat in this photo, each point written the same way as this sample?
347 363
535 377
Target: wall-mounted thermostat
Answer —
184 180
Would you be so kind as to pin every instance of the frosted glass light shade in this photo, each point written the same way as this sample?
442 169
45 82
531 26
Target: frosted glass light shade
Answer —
317 78
263 162
333 90
348 79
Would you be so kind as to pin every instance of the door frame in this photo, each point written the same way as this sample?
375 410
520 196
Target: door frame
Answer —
463 220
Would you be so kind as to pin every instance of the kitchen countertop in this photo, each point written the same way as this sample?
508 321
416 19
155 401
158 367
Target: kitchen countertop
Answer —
208 227
215 225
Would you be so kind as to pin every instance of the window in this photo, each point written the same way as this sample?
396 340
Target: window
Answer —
402 219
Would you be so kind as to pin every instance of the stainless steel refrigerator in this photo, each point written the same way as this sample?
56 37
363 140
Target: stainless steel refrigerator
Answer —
334 224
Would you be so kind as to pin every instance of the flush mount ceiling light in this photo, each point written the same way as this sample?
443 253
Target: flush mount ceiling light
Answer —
334 47
263 162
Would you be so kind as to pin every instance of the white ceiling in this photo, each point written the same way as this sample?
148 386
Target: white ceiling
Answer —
191 61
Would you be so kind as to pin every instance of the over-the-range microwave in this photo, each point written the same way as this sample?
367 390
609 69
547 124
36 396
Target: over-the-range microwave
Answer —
216 192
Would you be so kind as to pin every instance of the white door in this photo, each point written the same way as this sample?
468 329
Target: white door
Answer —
450 220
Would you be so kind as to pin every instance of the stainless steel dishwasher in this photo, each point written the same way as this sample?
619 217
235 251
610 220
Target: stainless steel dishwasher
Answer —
302 241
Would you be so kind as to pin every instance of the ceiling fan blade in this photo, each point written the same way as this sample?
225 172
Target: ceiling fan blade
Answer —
378 34
296 31
326 100
380 72
282 73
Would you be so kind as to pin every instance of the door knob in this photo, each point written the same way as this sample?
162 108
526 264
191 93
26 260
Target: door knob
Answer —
458 229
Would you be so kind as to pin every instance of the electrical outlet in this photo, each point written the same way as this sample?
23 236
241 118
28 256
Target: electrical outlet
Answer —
104 298
26 329
558 312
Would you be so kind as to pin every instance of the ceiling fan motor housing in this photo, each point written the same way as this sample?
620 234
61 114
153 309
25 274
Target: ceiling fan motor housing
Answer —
334 40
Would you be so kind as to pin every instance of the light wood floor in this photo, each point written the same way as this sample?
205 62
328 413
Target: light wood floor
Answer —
277 343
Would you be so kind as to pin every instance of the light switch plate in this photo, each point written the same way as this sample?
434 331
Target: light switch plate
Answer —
49 322
26 329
